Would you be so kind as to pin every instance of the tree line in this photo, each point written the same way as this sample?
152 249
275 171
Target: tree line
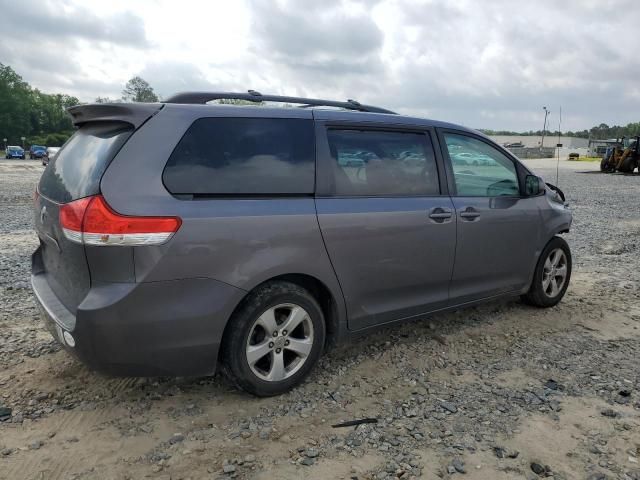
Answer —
28 112
41 117
599 132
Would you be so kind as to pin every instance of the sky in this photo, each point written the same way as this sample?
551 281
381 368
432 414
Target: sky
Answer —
483 64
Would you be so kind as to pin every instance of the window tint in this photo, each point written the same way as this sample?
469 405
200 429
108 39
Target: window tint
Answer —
250 156
368 163
77 169
479 169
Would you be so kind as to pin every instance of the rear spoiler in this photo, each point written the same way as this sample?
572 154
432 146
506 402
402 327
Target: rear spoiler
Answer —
133 113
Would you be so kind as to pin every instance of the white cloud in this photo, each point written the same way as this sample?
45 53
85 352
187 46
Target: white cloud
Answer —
487 64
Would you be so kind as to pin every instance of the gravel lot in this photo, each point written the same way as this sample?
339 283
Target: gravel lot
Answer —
496 392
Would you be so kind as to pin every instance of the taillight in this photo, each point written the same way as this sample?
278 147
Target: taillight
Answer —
71 217
91 221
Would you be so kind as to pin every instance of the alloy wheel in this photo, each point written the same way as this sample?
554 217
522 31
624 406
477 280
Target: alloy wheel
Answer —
554 274
279 342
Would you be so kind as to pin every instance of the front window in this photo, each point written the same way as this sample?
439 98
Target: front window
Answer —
479 169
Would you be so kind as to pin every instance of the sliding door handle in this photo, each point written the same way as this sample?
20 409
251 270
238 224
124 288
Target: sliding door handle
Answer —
469 213
440 214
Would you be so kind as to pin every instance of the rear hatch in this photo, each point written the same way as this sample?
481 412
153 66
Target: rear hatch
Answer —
74 173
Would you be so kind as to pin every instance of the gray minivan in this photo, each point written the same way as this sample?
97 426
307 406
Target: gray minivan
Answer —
179 235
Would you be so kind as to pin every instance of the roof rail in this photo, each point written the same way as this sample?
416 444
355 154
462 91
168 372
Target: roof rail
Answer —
253 96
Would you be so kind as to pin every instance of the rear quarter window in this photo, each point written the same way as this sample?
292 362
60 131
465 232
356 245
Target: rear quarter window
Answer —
243 156
76 170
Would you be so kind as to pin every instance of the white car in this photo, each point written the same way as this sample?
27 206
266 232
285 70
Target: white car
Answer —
51 154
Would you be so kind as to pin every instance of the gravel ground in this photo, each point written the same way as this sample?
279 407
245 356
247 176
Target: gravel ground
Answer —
500 391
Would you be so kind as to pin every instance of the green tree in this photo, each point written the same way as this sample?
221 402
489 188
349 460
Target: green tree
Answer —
15 106
237 101
30 113
138 90
49 112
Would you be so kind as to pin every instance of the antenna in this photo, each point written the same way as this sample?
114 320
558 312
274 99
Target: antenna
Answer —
559 145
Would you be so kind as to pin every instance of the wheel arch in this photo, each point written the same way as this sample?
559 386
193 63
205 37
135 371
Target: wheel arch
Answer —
328 301
558 228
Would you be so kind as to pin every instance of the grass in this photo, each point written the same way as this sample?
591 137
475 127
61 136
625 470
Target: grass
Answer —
586 159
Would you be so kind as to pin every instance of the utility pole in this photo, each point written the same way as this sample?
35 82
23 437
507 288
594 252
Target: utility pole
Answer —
544 127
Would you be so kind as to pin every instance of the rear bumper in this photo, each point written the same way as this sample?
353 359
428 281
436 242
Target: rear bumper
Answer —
143 329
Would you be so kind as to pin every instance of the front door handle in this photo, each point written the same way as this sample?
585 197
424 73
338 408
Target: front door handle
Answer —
440 214
469 214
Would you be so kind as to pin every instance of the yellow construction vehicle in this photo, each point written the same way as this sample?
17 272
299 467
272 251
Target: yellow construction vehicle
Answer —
630 158
623 156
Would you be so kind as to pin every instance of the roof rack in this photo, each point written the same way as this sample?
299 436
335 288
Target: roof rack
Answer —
253 96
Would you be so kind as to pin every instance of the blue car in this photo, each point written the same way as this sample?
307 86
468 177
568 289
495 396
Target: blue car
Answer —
37 151
14 152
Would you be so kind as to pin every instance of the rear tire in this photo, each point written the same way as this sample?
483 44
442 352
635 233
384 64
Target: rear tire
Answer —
259 354
552 275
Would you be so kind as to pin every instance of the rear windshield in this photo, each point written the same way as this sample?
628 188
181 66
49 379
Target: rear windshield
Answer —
243 156
76 171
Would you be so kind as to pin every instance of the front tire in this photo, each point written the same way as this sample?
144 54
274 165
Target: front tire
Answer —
628 165
552 275
274 339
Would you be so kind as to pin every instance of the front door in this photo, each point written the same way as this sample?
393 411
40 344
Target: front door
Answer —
498 229
389 231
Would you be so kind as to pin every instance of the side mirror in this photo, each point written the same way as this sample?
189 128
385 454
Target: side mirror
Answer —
534 186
